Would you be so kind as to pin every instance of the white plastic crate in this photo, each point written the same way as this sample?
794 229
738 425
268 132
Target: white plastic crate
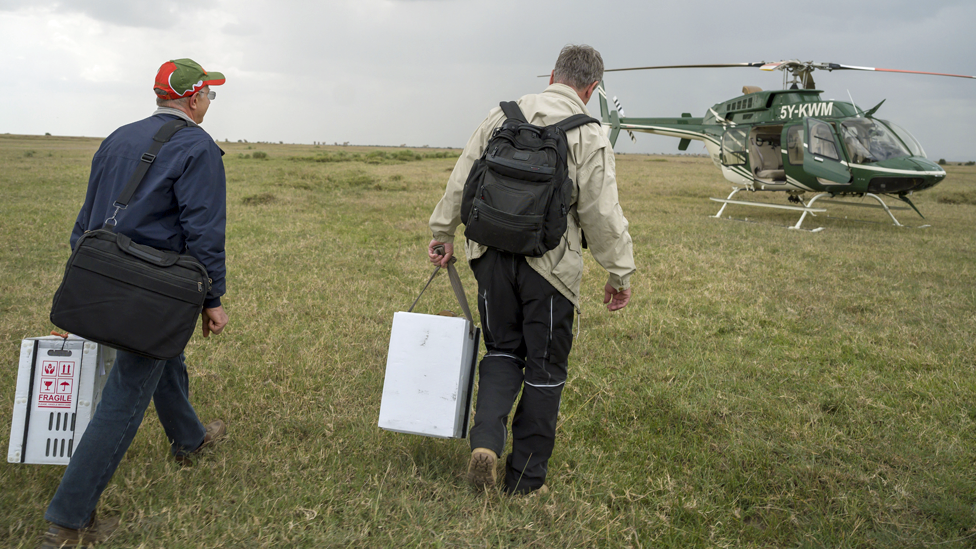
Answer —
429 374
59 384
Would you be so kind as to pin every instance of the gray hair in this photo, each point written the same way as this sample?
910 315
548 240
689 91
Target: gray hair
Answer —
172 103
578 66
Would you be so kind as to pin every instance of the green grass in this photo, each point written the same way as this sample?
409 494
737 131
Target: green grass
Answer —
764 388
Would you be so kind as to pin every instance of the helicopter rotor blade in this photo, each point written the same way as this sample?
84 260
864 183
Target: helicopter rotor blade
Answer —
835 66
712 66
784 65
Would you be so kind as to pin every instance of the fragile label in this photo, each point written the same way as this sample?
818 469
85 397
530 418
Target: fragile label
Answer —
56 389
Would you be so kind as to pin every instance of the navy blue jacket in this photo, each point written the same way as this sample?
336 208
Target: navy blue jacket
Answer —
181 204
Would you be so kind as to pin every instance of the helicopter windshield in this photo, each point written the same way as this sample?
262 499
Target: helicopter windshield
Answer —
870 141
907 138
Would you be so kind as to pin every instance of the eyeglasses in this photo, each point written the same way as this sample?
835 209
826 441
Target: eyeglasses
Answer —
211 95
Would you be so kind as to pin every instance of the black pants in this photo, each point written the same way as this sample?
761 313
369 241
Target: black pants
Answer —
528 330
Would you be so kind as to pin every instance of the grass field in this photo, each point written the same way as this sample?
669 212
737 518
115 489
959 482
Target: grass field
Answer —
764 388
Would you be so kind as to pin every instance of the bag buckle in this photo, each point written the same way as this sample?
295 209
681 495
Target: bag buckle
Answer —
148 158
111 222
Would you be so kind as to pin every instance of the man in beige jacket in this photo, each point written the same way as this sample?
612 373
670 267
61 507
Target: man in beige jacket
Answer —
527 303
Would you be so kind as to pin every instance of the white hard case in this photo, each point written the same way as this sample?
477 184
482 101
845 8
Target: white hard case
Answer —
59 384
429 374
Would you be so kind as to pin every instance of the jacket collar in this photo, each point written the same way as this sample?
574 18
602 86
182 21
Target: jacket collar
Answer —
175 112
568 93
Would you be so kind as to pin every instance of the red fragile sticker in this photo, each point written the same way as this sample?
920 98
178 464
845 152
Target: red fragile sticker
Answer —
56 389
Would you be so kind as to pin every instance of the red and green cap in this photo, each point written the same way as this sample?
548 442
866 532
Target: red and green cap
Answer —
182 78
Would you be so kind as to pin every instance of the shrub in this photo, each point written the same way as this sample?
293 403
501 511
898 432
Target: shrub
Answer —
326 156
355 179
260 154
443 154
971 163
374 157
407 155
942 162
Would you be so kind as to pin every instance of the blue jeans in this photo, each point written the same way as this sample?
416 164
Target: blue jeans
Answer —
133 381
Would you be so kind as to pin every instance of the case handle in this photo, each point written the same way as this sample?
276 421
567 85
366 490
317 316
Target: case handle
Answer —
456 285
146 253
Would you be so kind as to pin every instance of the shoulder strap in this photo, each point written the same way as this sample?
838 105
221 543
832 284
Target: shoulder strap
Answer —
162 136
576 121
512 110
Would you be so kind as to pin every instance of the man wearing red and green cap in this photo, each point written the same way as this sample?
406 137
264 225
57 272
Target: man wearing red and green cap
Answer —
180 205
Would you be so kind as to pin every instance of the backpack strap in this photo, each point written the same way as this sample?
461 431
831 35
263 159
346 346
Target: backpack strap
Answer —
512 110
567 124
576 121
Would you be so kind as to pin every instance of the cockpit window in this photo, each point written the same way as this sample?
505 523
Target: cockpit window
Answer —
870 141
907 138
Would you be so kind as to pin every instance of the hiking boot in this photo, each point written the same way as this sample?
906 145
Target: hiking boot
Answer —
215 430
481 468
97 531
528 494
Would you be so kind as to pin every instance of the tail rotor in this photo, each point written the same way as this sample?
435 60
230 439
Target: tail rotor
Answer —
620 109
611 118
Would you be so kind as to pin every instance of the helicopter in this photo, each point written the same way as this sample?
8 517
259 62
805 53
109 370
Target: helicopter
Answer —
792 141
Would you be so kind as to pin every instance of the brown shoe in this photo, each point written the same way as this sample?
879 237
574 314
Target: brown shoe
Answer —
215 430
58 536
481 468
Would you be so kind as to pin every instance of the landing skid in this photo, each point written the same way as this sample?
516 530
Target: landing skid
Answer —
808 208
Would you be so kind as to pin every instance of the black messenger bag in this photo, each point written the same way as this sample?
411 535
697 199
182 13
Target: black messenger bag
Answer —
126 295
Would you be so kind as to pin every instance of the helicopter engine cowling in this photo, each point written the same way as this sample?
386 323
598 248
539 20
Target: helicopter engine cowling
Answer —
928 176
883 185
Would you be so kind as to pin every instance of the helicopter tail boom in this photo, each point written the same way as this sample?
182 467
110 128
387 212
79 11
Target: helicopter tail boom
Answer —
685 128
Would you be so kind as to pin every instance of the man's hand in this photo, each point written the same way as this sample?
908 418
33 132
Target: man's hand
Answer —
438 258
617 299
214 320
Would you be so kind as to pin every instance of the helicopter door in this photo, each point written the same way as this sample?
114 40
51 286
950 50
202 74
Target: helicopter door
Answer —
735 156
823 155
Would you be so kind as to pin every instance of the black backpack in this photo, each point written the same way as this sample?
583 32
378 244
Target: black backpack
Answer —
516 197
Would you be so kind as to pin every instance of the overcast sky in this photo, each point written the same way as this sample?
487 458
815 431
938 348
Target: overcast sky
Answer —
425 72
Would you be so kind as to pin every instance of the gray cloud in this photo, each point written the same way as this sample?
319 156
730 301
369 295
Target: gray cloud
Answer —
427 71
127 13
